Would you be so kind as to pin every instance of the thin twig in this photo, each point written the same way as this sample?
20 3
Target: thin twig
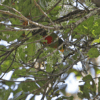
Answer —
44 13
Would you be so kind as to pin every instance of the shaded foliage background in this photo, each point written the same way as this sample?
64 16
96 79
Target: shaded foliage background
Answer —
21 24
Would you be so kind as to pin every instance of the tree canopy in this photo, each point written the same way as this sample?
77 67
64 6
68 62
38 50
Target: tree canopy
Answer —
46 38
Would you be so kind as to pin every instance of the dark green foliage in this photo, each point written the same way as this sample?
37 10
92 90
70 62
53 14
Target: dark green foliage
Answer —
38 66
87 88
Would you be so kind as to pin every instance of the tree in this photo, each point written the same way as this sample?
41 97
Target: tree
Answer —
31 56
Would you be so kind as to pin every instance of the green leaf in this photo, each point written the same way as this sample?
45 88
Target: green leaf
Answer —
49 68
15 21
2 27
29 86
6 94
19 72
88 77
88 87
96 41
80 95
93 53
5 65
18 94
54 12
99 85
31 48
9 83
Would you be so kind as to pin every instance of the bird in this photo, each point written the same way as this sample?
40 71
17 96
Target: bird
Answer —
50 39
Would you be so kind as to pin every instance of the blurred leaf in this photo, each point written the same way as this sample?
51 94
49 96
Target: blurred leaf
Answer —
93 53
96 41
88 87
29 86
18 94
99 85
6 65
6 94
49 68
